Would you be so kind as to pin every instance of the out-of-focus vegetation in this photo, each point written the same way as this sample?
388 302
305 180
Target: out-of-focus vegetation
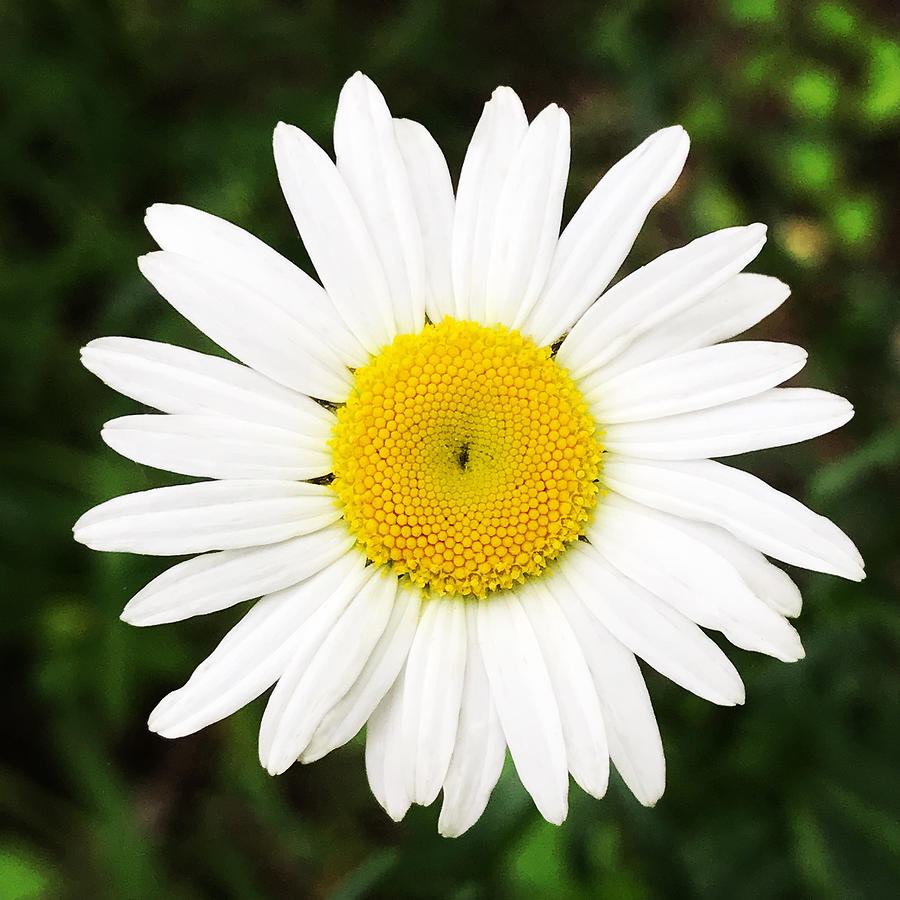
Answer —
109 105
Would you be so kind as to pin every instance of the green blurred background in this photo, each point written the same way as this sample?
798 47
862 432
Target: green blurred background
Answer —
794 111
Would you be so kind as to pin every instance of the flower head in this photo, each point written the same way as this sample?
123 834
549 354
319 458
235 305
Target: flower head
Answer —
470 483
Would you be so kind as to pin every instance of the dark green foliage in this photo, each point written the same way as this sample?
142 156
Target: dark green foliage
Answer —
109 105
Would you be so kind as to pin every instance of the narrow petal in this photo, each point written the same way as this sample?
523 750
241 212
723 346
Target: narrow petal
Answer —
635 745
772 585
651 548
432 192
499 131
657 633
247 325
480 748
579 707
770 419
230 250
176 380
525 701
433 689
251 657
209 515
214 581
656 293
600 234
724 313
369 160
694 380
528 214
335 236
763 517
322 670
351 712
215 447
386 755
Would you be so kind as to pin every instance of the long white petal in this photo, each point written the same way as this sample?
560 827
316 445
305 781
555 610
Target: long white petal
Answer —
523 694
322 671
369 160
773 522
335 236
655 293
251 657
238 254
480 748
771 419
215 447
694 380
728 311
772 585
209 515
499 131
351 712
177 380
652 549
656 632
432 192
635 745
579 707
600 234
248 325
386 755
214 581
433 689
528 214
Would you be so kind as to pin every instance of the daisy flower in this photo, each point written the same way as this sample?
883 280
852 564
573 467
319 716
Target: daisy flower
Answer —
471 483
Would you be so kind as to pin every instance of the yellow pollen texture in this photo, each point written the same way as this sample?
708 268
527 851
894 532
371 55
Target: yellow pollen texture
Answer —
465 457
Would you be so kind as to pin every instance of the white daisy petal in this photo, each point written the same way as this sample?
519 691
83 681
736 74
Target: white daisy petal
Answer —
350 713
600 234
480 748
209 515
737 305
386 755
751 510
771 419
322 670
500 130
230 250
432 692
656 632
432 192
525 702
335 236
579 707
772 585
651 549
214 581
635 745
251 657
215 447
247 325
656 293
176 380
528 214
694 380
369 160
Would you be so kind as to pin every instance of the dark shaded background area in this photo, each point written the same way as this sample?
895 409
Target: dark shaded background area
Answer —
106 107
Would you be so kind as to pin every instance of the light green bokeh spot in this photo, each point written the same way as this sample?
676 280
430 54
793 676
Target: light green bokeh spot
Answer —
814 93
753 10
882 99
811 166
833 19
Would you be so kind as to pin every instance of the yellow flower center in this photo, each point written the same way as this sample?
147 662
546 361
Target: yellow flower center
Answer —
465 457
